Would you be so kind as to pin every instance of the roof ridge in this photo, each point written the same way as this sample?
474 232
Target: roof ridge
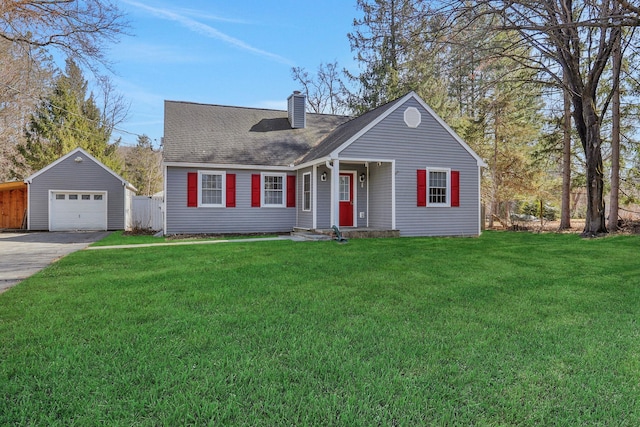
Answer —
204 104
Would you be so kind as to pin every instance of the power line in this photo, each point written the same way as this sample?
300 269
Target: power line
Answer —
51 104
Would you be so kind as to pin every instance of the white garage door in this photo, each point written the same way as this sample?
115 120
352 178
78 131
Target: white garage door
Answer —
74 210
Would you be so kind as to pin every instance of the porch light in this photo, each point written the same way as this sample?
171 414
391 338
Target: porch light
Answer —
362 177
323 176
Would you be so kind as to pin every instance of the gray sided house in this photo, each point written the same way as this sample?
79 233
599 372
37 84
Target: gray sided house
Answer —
247 170
78 192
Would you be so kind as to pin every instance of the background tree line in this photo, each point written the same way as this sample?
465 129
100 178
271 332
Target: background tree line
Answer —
46 112
545 91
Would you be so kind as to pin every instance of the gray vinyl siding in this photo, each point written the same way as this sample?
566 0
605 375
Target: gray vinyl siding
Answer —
324 199
296 110
243 218
380 203
71 176
427 146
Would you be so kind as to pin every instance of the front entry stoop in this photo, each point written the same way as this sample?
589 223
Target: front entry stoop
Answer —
347 232
302 234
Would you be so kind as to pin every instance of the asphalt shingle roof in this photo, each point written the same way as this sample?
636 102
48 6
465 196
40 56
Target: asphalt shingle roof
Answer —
203 133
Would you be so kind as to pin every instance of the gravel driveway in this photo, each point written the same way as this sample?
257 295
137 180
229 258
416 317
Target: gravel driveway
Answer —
24 254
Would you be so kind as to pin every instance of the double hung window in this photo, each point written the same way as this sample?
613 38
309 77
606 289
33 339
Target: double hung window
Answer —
211 189
273 190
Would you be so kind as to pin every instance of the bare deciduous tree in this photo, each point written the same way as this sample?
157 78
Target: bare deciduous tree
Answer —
24 78
575 39
325 91
80 29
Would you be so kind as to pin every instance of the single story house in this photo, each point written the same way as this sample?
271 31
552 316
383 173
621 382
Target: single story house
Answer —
78 192
250 170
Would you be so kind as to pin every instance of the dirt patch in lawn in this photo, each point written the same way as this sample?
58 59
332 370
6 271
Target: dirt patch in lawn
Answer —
222 236
625 226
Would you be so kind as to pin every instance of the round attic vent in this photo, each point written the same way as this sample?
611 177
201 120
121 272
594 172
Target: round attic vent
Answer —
412 117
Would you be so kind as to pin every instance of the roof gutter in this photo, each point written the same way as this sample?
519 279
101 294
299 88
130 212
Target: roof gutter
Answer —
313 162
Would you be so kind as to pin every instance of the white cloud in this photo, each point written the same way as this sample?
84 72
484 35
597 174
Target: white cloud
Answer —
146 52
207 31
210 17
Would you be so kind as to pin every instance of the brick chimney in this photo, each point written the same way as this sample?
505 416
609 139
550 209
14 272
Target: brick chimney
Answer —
296 110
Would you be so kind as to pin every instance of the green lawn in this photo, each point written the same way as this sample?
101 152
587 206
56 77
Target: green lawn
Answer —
506 329
118 238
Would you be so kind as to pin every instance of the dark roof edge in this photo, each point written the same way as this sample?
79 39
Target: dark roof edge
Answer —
250 108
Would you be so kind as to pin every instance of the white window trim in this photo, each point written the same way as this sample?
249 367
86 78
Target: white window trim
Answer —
439 205
224 192
284 190
307 175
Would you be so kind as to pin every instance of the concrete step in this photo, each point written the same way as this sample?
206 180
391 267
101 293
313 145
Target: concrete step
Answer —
307 235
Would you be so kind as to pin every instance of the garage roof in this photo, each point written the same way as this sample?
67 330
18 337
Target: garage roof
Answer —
11 185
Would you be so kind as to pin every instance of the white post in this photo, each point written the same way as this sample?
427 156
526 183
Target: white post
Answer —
314 196
335 193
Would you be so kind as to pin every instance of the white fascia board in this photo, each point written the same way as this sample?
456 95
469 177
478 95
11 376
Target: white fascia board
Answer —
336 152
227 166
442 123
399 103
73 152
364 160
315 162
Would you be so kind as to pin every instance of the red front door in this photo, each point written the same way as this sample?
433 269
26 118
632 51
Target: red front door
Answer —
346 200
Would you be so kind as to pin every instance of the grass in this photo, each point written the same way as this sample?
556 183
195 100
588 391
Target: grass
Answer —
119 238
506 329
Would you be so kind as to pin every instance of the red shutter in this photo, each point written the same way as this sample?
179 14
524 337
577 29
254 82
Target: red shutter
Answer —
231 190
291 191
422 187
255 190
192 189
455 188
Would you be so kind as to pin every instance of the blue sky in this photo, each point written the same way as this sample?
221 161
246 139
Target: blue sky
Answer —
222 52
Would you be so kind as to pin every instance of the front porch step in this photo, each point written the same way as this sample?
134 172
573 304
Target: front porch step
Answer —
308 235
349 233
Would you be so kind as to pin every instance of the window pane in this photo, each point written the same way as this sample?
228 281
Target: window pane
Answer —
73 197
86 197
306 192
211 189
59 196
273 190
437 187
97 197
345 188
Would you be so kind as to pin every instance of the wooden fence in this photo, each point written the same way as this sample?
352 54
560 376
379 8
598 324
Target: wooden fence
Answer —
13 205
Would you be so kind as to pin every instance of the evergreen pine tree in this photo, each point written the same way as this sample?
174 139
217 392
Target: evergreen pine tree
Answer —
65 119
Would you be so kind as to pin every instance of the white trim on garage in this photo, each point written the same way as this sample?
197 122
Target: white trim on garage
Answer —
77 210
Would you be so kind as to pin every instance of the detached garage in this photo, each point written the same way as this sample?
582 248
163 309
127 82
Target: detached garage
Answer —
78 192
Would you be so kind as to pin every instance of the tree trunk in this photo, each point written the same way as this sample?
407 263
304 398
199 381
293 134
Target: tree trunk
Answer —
565 210
592 143
615 139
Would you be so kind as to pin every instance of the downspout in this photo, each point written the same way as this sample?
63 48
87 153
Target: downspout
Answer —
314 196
335 192
366 165
28 182
165 173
